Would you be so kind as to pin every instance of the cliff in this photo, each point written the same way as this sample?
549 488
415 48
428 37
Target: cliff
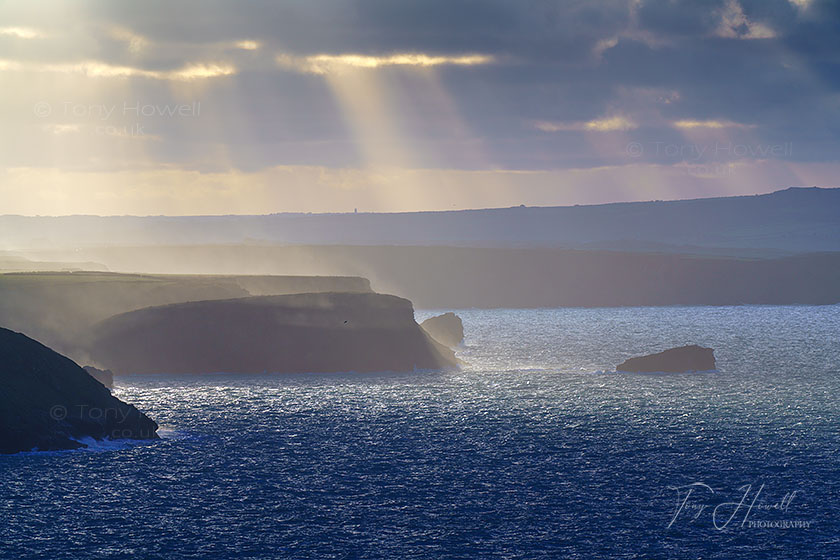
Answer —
47 402
59 309
328 332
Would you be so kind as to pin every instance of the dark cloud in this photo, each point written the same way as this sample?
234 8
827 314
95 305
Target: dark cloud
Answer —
687 18
654 62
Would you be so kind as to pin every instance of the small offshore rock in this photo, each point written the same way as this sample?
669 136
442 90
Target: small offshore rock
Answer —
674 360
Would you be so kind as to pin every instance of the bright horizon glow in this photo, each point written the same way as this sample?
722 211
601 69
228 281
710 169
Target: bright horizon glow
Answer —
607 124
248 45
709 124
21 32
331 63
97 69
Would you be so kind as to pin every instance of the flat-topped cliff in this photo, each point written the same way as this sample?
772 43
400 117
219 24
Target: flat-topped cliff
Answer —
328 332
59 309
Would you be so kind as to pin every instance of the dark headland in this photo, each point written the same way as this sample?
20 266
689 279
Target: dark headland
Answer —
59 309
328 332
47 402
132 323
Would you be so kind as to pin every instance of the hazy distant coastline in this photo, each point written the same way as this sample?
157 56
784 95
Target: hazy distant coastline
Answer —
795 220
777 249
462 277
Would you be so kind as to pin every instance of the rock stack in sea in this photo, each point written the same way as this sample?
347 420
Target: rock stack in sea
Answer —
673 360
448 329
104 376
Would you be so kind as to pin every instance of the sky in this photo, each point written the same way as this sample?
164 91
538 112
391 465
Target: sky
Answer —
231 107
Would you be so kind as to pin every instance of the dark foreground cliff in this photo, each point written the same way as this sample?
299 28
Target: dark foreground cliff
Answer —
328 332
47 402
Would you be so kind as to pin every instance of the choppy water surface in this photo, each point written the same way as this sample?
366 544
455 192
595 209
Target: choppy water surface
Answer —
533 450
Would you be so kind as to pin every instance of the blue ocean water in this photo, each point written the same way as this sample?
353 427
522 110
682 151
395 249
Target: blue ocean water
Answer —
535 449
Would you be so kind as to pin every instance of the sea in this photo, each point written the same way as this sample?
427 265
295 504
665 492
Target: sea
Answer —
535 448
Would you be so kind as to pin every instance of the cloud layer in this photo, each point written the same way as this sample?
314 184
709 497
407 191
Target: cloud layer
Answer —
372 88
